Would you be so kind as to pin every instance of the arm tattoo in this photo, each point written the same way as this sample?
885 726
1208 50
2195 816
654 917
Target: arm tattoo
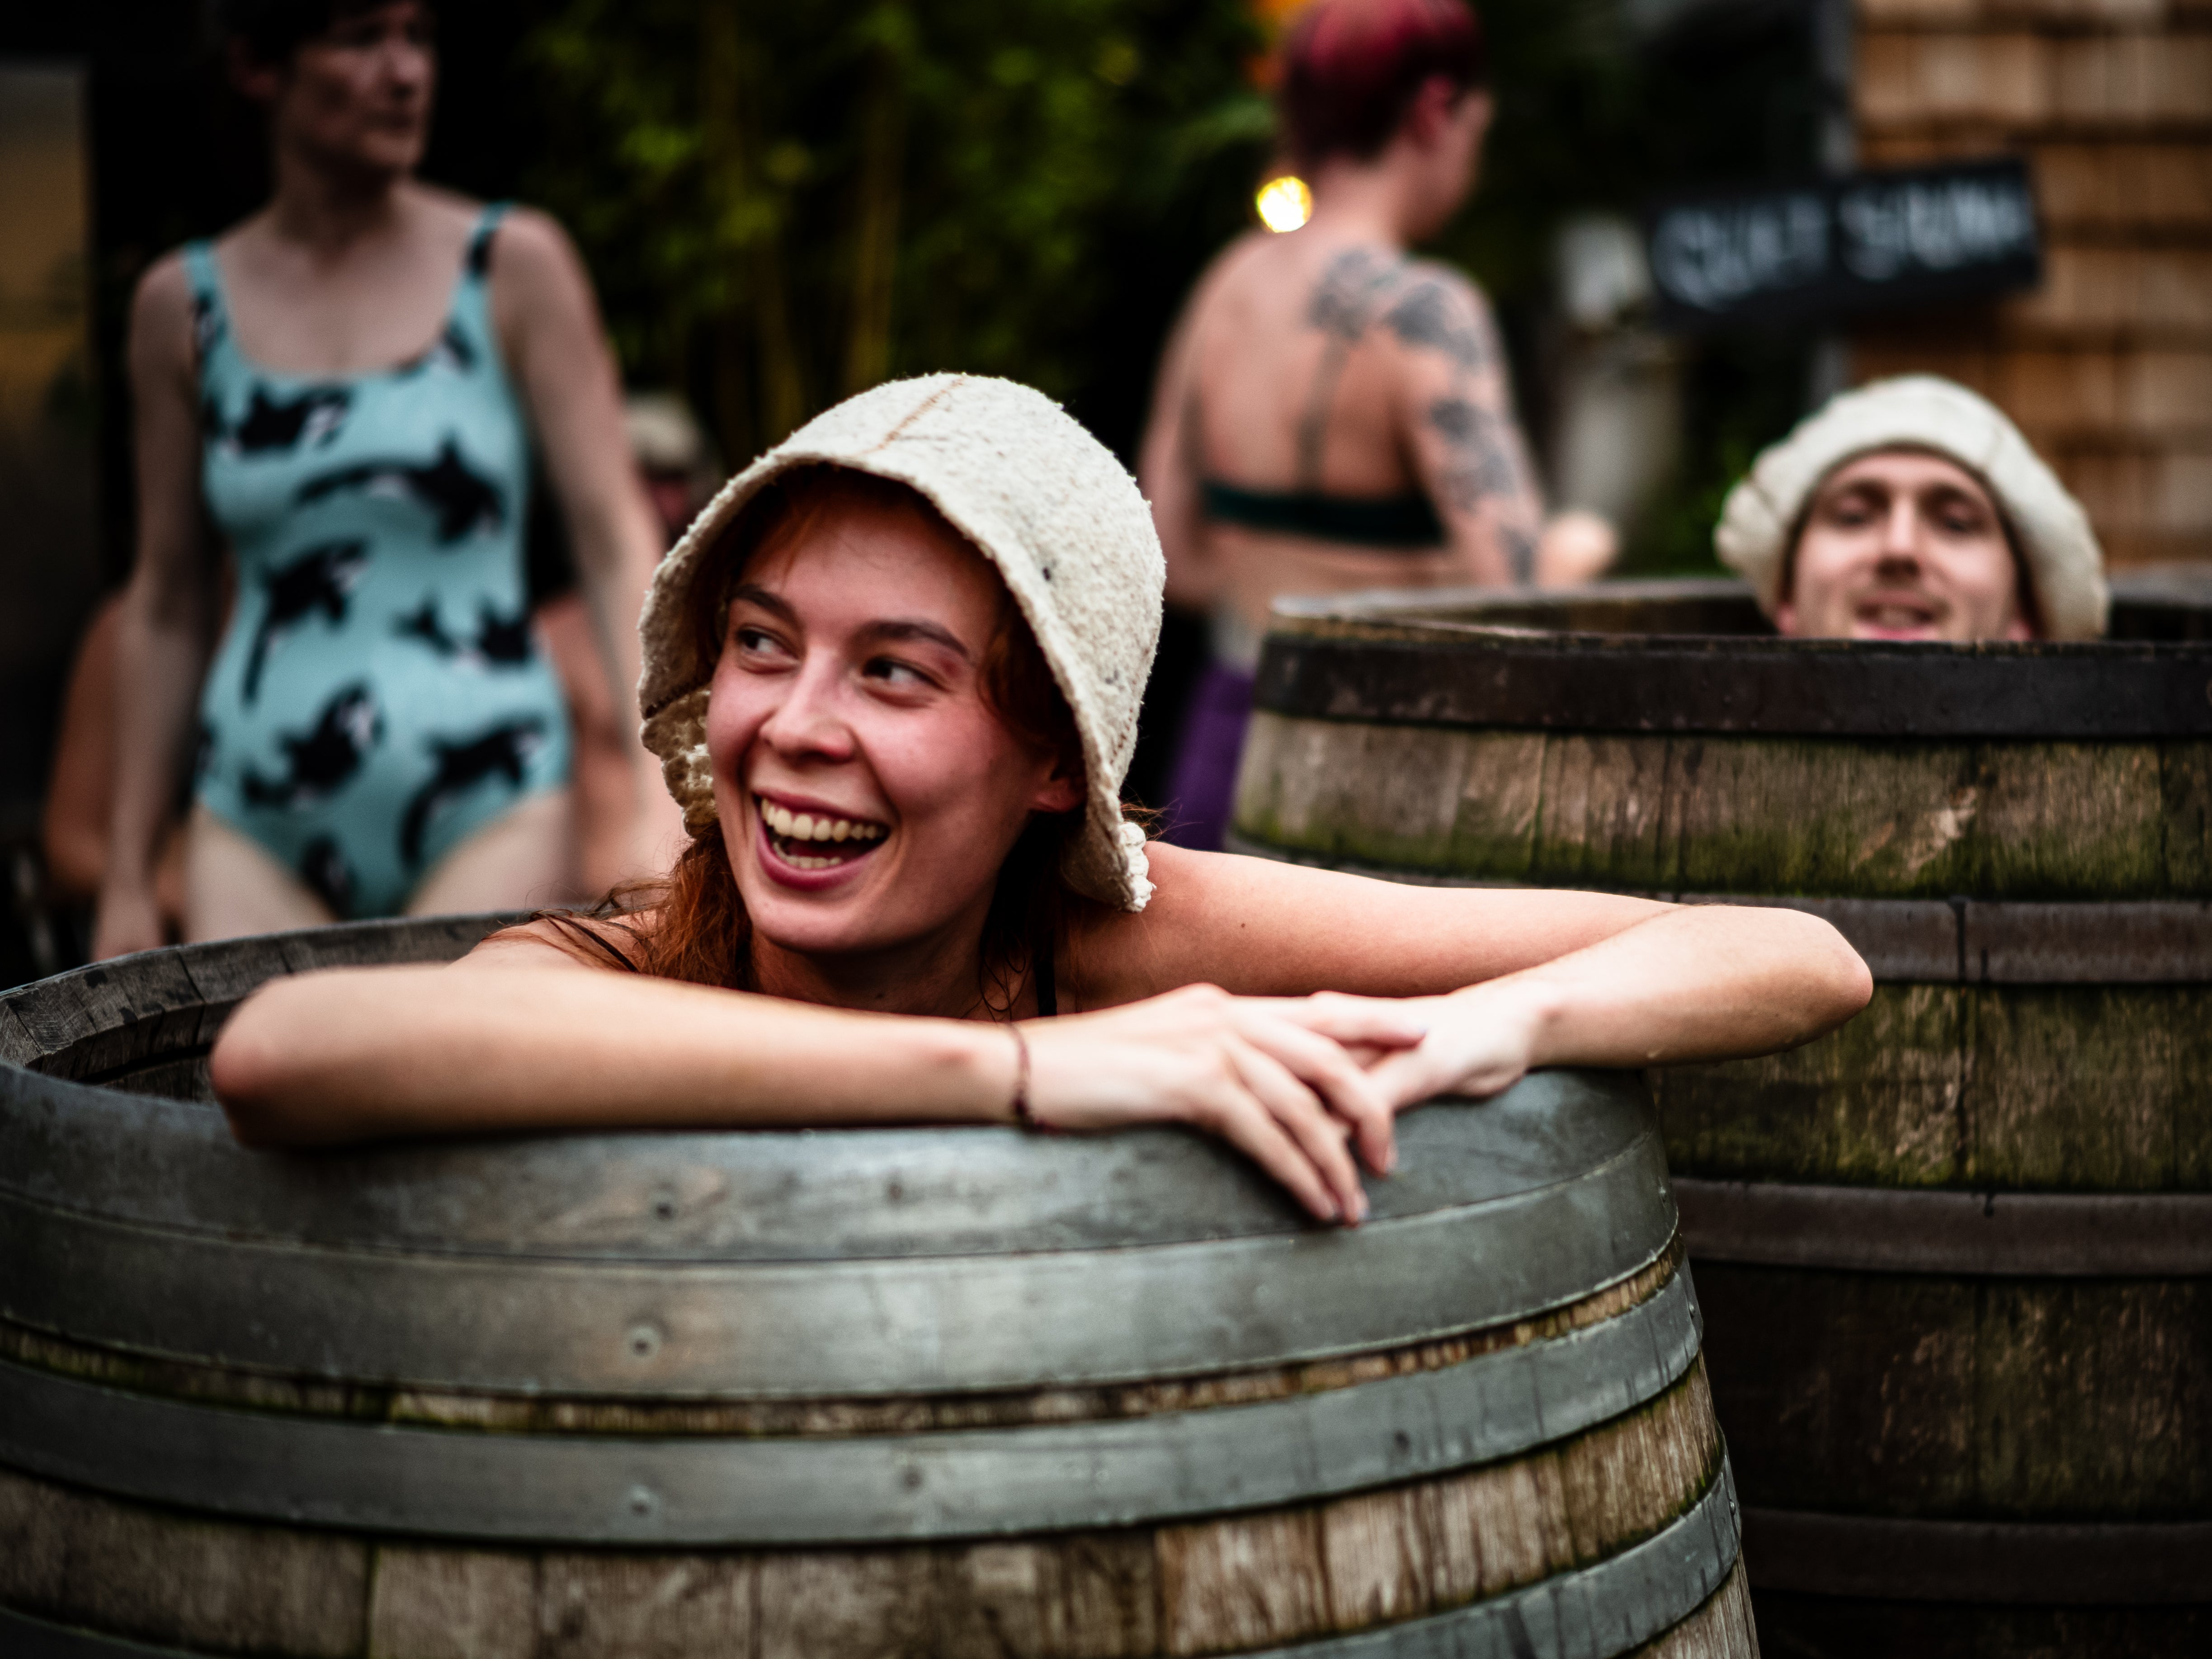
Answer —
1480 467
1426 317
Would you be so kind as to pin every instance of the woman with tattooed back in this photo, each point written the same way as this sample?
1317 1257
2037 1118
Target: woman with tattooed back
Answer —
347 389
1332 414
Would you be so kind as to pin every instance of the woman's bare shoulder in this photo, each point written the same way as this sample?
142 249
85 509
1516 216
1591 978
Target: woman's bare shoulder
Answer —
162 309
611 943
1259 926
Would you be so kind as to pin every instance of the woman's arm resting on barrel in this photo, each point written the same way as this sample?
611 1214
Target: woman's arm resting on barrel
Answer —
356 1054
1549 978
519 1038
1697 983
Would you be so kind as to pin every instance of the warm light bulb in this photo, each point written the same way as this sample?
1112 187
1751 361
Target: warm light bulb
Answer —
1285 203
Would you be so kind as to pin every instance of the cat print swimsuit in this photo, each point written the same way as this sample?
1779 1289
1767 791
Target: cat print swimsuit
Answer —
380 696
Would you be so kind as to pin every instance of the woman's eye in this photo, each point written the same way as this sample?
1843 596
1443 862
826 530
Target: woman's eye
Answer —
755 641
891 671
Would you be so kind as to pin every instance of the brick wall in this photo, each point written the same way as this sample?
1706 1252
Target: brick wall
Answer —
2108 366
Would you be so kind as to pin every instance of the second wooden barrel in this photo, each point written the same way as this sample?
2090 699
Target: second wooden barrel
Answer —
1957 1257
923 1392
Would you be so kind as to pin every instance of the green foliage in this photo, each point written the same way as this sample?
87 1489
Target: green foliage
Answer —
781 203
809 195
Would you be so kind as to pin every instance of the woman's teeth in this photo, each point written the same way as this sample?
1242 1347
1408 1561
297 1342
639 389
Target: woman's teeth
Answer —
807 828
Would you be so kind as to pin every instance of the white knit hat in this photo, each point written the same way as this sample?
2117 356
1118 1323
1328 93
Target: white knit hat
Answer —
1041 499
1921 411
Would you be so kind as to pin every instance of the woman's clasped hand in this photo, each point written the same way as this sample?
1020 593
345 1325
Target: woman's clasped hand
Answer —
1292 1082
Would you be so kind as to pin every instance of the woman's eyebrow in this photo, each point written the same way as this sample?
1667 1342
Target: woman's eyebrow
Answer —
902 628
761 599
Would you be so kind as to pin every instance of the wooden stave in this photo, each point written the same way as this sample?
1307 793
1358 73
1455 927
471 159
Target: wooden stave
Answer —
1334 1568
79 1042
1413 824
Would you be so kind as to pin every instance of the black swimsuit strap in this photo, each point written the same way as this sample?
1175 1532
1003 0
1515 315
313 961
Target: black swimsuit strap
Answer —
1406 523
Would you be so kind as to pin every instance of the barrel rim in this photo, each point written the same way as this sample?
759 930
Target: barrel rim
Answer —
1465 676
2177 591
688 1197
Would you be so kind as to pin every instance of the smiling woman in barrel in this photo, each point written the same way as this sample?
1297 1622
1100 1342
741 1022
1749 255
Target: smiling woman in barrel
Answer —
892 674
1912 509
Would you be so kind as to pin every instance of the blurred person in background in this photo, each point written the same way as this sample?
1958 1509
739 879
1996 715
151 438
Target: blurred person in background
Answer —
678 472
1912 509
1332 414
347 388
678 467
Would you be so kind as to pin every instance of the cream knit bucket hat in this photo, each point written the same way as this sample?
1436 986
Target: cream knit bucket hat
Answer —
1922 411
1043 501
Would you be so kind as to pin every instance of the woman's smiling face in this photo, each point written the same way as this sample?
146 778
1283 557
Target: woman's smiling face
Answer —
868 793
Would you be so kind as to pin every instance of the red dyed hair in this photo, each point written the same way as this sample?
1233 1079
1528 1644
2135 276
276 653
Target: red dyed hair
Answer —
1350 70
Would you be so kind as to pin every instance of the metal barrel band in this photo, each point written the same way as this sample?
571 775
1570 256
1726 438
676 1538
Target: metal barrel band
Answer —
822 1195
1965 941
954 1483
1885 1229
1609 1608
928 1325
2134 1564
1437 673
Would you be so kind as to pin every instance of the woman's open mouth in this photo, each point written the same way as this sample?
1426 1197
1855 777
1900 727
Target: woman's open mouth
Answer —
816 840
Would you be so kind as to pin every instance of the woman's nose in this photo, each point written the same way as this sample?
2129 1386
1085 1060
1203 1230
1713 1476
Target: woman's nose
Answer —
808 721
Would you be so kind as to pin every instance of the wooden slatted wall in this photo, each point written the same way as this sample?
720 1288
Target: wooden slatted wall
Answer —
2108 366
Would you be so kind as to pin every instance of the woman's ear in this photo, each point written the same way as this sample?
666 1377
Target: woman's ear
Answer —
1057 794
252 79
1432 109
1061 790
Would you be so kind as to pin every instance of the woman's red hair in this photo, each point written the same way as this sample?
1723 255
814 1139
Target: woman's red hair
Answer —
1350 69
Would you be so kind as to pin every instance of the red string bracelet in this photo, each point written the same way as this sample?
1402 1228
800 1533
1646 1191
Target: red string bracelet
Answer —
1023 1115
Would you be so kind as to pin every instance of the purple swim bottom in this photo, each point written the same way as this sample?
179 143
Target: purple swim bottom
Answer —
1203 790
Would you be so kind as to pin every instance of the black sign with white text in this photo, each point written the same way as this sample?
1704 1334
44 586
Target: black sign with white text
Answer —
1861 241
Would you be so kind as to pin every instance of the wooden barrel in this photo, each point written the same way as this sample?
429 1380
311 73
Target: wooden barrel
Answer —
838 1394
1956 1258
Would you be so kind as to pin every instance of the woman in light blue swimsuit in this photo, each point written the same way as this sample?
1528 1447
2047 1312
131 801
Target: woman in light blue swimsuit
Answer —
379 696
348 390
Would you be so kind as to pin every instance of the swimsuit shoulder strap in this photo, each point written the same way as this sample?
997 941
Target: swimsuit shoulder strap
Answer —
476 267
210 317
469 326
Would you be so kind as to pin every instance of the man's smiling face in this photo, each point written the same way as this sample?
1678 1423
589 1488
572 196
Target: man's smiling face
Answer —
1902 544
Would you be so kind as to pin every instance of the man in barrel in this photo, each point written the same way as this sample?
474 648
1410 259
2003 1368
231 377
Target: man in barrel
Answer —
1912 509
